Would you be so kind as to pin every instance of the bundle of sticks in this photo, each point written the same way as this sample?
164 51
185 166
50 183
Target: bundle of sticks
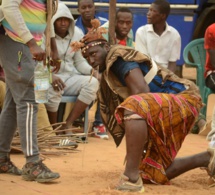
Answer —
50 143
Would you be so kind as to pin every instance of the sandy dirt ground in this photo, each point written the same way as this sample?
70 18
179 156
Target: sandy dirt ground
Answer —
95 167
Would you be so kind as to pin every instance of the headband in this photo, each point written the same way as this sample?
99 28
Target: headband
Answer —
92 38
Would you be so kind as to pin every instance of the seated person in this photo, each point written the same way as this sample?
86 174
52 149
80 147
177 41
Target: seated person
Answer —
157 39
86 9
123 27
73 78
42 116
162 43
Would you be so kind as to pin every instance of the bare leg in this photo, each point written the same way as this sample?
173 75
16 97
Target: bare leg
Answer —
182 165
136 134
52 117
78 108
53 120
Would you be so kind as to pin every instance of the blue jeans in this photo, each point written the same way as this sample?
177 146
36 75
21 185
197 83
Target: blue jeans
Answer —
98 119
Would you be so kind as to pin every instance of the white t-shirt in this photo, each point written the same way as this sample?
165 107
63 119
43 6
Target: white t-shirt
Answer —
162 49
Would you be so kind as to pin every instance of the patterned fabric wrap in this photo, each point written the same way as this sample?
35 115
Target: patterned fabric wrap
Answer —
169 119
112 92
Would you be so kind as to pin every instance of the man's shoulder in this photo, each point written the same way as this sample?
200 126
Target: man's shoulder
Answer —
144 28
127 53
173 30
105 25
78 21
78 33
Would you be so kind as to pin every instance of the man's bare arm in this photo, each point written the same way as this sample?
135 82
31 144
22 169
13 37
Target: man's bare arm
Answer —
172 66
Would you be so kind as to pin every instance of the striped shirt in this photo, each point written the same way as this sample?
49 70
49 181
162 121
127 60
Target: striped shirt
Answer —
24 19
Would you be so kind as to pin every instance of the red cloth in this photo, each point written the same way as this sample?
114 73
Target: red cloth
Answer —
209 44
122 42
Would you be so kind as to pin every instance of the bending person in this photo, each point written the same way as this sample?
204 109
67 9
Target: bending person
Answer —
154 117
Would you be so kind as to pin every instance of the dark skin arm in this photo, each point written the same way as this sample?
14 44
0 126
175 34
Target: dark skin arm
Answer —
57 83
55 62
37 52
172 66
135 82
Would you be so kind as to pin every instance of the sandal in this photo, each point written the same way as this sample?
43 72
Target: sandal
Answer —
211 182
211 165
127 186
66 143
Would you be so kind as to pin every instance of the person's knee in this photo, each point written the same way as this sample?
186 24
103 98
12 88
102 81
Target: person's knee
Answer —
88 92
52 106
93 85
54 99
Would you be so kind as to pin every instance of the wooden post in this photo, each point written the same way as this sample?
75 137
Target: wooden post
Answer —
112 16
48 28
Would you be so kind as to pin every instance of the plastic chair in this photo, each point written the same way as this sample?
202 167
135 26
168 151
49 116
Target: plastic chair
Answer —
194 55
70 99
207 92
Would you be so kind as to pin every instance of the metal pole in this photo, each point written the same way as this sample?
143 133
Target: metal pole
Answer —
112 16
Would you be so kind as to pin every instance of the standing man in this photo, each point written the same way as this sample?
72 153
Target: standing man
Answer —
123 27
157 39
210 68
86 8
21 37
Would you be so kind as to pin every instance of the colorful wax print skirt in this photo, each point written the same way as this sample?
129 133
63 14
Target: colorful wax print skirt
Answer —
169 119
